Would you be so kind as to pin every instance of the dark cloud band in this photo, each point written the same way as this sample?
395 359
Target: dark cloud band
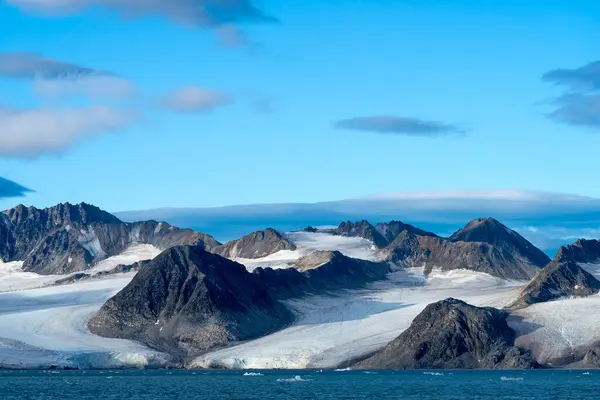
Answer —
399 126
9 188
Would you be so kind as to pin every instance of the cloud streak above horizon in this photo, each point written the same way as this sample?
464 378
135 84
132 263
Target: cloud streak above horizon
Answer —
388 124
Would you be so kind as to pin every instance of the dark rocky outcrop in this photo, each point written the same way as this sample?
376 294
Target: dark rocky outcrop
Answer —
592 358
187 301
68 238
484 245
492 232
451 334
429 252
391 230
255 245
561 278
582 251
362 229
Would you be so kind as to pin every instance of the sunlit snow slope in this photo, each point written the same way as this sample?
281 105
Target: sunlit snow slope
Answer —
306 243
556 329
45 327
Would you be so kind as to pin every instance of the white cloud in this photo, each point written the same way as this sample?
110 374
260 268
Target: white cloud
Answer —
193 99
190 12
30 133
93 86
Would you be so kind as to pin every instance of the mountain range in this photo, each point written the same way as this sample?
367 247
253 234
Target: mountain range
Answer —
198 295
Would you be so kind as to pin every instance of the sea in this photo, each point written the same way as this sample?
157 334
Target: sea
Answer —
305 384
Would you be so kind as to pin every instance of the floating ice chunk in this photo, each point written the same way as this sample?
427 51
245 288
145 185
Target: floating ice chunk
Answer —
297 378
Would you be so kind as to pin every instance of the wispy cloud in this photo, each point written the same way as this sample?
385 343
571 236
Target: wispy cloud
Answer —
204 13
586 78
9 188
194 99
578 109
388 124
25 65
92 86
34 132
580 105
56 77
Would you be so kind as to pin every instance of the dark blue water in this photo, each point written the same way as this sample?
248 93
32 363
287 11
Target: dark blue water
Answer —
134 385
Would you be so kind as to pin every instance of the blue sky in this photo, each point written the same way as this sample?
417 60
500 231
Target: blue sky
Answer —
296 101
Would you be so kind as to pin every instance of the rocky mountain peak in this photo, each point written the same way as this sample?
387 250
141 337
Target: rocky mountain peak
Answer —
560 278
453 334
582 251
256 245
491 231
486 230
363 229
60 215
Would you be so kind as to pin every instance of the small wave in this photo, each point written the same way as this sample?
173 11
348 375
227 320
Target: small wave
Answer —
434 373
297 378
342 369
253 374
586 373
508 378
369 373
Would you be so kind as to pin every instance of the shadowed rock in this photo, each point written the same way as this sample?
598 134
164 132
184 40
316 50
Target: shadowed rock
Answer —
362 229
431 252
255 245
187 301
484 245
582 251
452 334
561 278
490 231
68 238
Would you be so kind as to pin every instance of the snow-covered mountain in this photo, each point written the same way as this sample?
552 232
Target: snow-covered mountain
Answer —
321 297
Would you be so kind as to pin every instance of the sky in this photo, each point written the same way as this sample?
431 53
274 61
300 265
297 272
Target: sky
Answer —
203 103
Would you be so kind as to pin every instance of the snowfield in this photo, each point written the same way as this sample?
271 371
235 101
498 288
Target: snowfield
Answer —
46 326
308 242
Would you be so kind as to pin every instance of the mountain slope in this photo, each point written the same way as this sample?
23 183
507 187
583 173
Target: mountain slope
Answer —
563 277
255 245
186 301
68 238
498 251
490 231
453 334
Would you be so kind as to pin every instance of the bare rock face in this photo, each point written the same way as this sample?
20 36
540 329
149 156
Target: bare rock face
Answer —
592 358
492 232
487 253
451 334
255 245
582 251
362 229
561 278
69 238
483 245
187 301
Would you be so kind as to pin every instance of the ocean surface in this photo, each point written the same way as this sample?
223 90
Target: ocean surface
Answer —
423 385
